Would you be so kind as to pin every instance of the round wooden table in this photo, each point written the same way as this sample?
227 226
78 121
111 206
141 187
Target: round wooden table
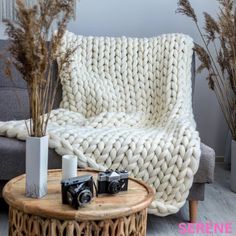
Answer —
121 214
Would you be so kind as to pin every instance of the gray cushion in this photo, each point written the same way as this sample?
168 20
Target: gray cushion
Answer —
14 104
13 93
205 173
12 158
197 192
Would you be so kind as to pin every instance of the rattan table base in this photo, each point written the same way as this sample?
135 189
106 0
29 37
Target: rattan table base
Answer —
24 224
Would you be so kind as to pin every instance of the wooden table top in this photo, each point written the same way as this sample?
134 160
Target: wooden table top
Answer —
137 198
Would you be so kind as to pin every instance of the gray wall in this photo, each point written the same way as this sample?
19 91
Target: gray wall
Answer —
144 18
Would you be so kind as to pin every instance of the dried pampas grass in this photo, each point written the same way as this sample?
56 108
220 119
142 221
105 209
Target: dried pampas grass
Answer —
34 50
218 36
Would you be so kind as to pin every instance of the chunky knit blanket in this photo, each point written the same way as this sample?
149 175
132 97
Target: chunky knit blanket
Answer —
127 105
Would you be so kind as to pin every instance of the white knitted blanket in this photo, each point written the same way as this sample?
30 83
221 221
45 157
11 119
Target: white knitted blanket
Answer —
127 104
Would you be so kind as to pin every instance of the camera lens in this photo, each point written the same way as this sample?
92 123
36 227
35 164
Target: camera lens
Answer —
84 197
69 198
114 187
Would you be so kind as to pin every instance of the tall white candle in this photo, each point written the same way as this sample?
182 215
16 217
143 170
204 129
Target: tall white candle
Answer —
69 166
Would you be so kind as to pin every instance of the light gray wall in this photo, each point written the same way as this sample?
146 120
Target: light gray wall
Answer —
144 18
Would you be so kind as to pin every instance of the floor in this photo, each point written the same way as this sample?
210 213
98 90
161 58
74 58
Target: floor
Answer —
219 207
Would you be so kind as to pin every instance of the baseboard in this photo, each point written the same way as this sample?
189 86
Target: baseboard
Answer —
219 159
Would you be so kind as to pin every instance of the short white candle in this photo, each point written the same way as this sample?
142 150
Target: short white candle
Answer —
69 166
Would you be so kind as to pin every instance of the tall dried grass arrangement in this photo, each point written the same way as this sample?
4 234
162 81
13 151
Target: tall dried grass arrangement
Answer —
34 50
218 54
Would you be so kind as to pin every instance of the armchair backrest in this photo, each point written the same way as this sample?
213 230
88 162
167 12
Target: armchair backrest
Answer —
107 74
14 103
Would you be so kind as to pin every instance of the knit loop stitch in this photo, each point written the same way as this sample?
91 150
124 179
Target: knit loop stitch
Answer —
127 104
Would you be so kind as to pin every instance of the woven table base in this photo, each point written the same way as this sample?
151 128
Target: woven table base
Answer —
25 224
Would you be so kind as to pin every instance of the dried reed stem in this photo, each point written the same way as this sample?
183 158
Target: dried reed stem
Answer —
222 70
34 49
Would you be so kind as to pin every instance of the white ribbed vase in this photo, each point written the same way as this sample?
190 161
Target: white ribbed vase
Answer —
233 166
36 166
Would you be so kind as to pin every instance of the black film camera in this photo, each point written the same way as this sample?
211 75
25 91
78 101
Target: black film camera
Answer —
77 191
112 182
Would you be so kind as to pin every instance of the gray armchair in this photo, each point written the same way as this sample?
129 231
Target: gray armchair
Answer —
12 151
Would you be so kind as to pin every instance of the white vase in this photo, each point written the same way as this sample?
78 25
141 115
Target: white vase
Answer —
233 166
36 166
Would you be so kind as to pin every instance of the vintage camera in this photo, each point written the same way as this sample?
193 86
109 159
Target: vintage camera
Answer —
112 182
77 191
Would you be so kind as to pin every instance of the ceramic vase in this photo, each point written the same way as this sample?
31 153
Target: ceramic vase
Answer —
36 166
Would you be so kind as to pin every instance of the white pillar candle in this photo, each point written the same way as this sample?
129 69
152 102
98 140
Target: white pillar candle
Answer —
69 166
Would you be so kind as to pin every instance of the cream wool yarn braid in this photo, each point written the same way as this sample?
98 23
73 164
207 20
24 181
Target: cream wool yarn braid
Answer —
127 105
